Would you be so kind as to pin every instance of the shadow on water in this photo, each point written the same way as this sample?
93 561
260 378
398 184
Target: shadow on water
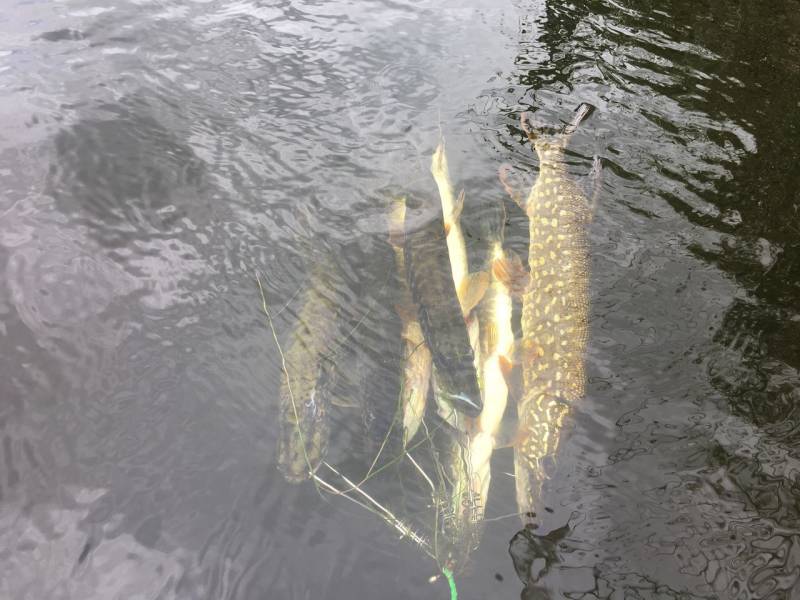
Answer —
124 172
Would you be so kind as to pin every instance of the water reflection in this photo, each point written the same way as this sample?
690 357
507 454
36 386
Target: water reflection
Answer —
64 551
124 172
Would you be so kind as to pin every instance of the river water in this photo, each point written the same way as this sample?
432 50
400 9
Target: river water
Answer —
155 155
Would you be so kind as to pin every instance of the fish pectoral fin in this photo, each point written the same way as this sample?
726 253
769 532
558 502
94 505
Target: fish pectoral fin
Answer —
511 272
512 188
506 366
472 290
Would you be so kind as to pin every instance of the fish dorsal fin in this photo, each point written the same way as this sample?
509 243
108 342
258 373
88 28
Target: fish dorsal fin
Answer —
472 290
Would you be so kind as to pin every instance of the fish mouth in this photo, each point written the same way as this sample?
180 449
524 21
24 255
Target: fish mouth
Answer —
465 404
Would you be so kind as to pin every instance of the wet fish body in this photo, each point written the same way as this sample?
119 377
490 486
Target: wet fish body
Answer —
554 317
417 360
304 401
497 344
439 314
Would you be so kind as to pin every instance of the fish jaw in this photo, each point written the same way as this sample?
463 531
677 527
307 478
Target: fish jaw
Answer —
459 388
465 404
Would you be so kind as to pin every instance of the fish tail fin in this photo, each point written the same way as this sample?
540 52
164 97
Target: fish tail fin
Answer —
581 114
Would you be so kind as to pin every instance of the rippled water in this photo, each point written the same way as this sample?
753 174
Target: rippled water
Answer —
155 155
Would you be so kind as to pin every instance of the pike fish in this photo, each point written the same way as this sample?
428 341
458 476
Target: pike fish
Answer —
497 347
304 402
469 287
439 313
555 307
417 361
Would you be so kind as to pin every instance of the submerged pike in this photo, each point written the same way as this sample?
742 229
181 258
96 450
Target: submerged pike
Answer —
469 288
440 318
304 394
497 347
417 361
554 312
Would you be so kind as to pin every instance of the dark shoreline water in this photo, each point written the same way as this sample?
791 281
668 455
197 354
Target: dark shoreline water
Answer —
155 155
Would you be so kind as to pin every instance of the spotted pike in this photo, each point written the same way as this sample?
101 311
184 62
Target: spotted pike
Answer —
440 318
554 312
304 395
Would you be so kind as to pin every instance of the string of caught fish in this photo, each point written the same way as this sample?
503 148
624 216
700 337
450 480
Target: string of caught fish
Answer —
459 347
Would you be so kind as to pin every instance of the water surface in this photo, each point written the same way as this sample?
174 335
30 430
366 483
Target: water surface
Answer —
155 155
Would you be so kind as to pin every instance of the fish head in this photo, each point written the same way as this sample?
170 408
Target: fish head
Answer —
464 403
456 384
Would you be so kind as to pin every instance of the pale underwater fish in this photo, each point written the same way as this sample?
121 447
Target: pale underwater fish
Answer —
497 348
417 360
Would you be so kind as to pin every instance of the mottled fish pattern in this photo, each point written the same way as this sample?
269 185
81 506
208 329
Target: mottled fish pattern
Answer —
554 318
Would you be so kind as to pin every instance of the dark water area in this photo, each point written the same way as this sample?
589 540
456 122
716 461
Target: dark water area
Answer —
155 156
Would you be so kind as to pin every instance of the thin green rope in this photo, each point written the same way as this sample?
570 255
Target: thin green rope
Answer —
452 582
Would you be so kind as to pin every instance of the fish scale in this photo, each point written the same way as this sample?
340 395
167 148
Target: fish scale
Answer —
554 318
